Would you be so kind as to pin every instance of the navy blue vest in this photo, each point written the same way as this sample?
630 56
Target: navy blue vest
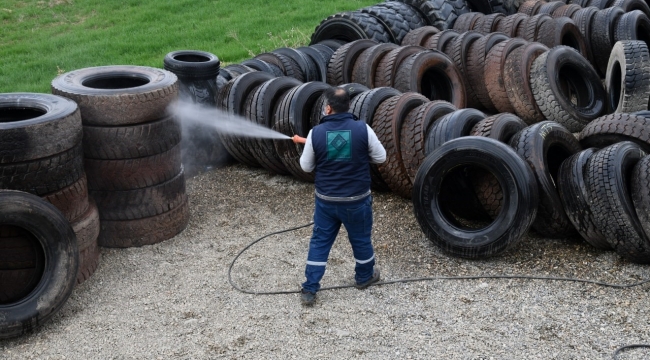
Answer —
341 152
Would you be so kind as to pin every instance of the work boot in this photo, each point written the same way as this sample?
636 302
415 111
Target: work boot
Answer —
372 280
307 298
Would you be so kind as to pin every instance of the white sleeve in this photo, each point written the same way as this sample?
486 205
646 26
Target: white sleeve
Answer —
308 159
375 148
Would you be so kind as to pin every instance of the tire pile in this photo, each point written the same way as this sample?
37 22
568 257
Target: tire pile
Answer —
132 152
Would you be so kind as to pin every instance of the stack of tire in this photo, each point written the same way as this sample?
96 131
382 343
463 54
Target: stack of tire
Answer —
131 149
41 153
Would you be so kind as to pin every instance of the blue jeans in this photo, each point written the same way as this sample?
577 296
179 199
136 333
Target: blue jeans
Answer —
328 217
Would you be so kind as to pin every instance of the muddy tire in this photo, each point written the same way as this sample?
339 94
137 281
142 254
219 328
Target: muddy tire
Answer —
389 64
434 75
119 94
419 37
57 240
366 64
545 146
559 75
459 55
516 77
72 201
493 73
608 181
387 124
628 77
466 21
437 175
339 69
34 126
572 187
478 50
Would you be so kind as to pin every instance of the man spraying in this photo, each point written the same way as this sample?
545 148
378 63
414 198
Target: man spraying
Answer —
340 151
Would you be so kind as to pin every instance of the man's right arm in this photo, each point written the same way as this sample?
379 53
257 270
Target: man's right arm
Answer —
376 150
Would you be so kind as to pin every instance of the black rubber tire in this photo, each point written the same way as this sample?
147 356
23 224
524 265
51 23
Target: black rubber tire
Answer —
451 126
628 77
287 65
459 55
488 23
132 141
562 31
140 203
583 20
440 13
613 128
34 126
634 25
387 124
261 110
489 6
530 7
437 173
293 117
419 37
440 40
319 60
145 231
559 74
392 21
631 5
414 131
411 15
516 77
45 175
118 94
602 36
499 127
366 64
510 24
332 44
261 65
572 187
608 179
600 4
72 201
434 75
350 26
640 193
136 173
59 245
341 64
466 22
307 70
364 108
566 11
494 72
545 146
389 64
86 228
478 50
192 63
550 7
233 100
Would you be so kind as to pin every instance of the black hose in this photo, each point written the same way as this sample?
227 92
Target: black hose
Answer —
470 277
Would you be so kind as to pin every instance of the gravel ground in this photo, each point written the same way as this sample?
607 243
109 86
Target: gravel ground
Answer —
173 300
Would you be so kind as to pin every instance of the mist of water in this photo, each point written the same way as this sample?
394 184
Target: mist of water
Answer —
221 121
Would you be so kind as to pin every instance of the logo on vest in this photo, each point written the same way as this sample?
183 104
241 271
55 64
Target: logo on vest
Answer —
339 146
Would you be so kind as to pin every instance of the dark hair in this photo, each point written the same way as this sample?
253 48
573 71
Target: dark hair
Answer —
338 99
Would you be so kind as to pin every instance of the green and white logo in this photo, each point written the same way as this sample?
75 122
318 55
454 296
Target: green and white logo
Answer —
339 146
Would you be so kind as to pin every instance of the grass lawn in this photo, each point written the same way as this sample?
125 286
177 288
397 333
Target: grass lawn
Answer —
40 39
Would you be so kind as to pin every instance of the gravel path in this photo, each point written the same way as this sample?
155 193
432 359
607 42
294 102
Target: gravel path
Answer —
173 300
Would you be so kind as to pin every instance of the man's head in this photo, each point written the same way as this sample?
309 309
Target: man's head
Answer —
337 100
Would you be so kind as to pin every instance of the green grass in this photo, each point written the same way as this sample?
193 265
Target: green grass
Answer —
41 39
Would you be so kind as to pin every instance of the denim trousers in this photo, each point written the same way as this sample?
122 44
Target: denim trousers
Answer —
328 217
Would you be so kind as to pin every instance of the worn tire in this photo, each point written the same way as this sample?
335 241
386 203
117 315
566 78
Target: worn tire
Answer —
72 201
451 126
292 116
545 146
419 37
634 25
350 26
560 74
478 50
640 192
366 64
466 21
493 73
602 36
287 66
613 128
572 187
608 179
118 94
583 20
437 174
339 69
389 64
628 77
459 55
434 75
387 124
61 261
34 126
86 228
516 77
